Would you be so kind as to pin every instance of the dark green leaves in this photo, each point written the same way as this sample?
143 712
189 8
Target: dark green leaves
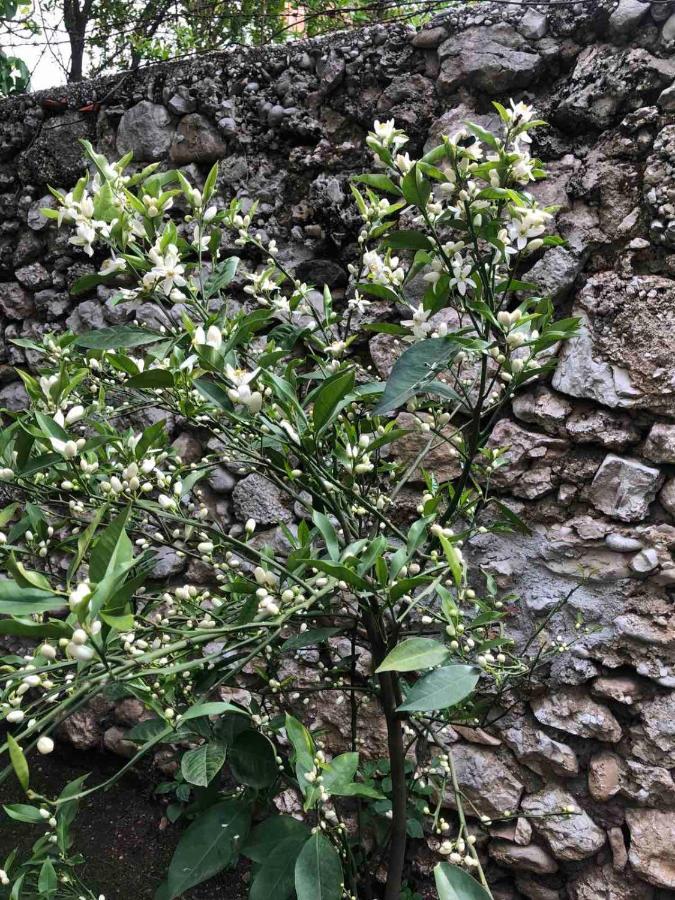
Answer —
152 378
118 337
201 765
18 761
416 366
275 845
441 688
414 654
16 601
408 240
318 872
252 759
453 883
327 401
209 845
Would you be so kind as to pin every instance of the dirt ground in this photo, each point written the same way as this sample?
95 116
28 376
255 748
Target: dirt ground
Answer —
117 831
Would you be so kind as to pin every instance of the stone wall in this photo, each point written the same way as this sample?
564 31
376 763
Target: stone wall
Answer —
592 455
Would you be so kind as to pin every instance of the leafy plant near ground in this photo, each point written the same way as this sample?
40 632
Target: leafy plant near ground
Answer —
376 607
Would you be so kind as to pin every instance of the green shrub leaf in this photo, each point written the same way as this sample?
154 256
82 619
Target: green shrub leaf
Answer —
441 688
414 654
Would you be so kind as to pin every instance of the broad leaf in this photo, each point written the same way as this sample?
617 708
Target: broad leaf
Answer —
18 761
153 378
216 708
318 871
252 759
308 638
201 765
275 846
414 368
414 654
441 688
118 337
209 845
16 601
453 883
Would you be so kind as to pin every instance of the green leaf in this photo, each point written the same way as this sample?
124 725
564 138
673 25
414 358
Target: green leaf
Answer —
318 871
328 533
16 601
414 654
416 366
252 759
216 708
308 638
269 833
275 846
303 745
408 240
27 628
22 812
47 882
340 772
328 399
153 378
221 276
415 189
209 845
441 688
201 765
379 182
276 876
19 762
339 572
453 560
112 546
453 883
117 337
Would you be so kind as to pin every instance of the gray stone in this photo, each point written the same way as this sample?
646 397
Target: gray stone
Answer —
605 883
187 447
645 561
541 406
570 837
667 496
14 397
221 480
668 30
147 130
626 17
196 140
531 858
570 709
660 443
533 25
529 457
34 218
88 316
623 487
490 786
181 102
624 354
535 749
622 544
257 498
429 38
610 429
491 59
666 100
652 838
33 277
167 563
555 273
15 302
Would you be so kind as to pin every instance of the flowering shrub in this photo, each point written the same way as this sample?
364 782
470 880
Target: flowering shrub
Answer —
276 386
